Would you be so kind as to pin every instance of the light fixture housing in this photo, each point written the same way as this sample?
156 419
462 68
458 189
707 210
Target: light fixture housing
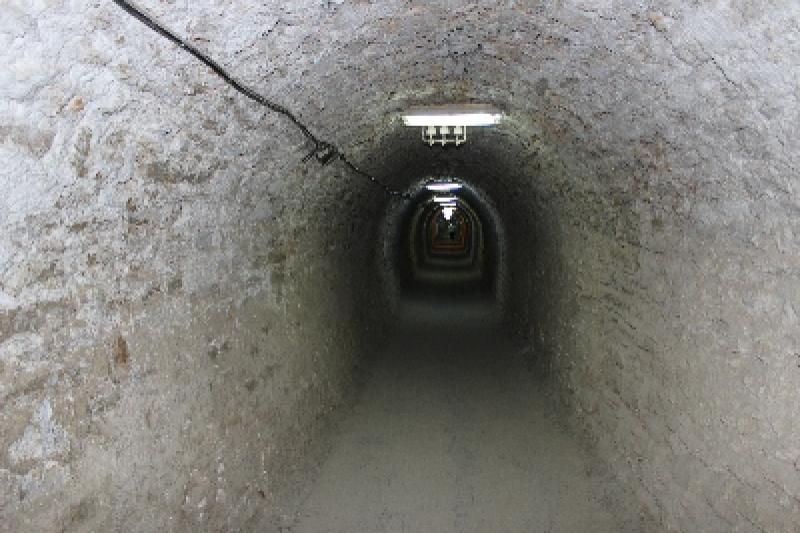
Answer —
447 124
443 187
444 199
453 115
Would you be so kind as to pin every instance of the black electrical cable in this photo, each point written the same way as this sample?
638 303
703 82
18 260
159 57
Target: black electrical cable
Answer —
324 152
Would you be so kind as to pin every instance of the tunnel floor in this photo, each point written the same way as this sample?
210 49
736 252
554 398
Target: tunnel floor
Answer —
452 432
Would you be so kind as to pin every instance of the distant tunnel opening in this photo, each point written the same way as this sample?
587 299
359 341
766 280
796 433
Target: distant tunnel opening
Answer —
446 241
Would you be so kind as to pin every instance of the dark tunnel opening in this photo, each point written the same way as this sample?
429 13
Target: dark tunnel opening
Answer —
447 244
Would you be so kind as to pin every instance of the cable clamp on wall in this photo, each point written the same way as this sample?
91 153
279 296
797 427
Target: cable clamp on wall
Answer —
324 152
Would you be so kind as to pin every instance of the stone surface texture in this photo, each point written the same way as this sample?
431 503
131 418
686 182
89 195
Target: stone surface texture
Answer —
183 300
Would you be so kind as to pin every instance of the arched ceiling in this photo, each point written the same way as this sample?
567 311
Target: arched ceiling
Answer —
645 180
621 91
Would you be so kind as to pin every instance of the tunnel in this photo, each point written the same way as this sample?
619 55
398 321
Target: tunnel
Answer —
209 323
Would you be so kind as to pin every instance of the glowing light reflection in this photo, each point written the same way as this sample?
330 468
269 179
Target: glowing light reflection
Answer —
443 187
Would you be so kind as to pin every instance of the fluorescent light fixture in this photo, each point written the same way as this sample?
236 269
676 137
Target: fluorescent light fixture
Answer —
453 115
448 124
443 187
444 199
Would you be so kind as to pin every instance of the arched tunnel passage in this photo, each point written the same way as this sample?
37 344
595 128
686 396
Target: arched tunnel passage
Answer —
450 241
201 328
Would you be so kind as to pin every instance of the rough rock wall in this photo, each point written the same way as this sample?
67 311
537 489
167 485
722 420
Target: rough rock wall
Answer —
181 300
672 335
663 281
652 195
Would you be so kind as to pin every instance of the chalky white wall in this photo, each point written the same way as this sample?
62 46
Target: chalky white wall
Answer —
182 298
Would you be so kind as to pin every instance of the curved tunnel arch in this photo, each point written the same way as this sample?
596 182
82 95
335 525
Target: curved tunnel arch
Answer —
449 237
399 253
161 233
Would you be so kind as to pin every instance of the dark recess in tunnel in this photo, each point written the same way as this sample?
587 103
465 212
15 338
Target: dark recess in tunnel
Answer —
416 263
484 169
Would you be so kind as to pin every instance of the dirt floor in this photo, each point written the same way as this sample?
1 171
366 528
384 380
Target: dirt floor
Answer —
452 432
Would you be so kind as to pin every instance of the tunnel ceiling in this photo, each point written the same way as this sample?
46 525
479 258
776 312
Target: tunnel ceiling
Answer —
623 88
167 255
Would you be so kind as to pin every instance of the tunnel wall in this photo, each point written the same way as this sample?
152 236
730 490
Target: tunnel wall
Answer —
181 301
649 192
659 294
670 334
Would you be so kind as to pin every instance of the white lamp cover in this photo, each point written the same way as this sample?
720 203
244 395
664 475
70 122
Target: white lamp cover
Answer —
453 115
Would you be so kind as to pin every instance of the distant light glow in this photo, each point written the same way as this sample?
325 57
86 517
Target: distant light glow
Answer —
444 199
448 212
443 187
